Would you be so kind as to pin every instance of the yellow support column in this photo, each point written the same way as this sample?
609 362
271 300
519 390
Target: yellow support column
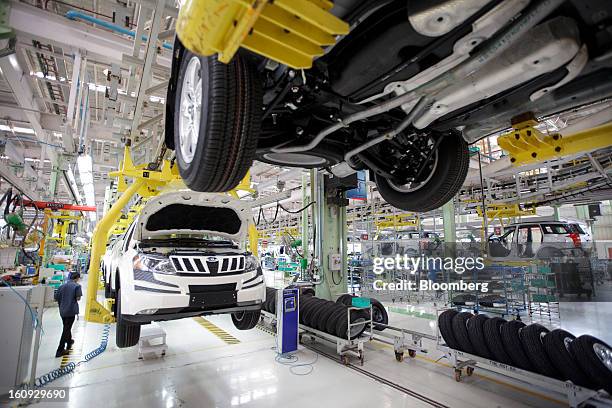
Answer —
94 311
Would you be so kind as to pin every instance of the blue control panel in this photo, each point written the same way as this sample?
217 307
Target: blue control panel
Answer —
287 318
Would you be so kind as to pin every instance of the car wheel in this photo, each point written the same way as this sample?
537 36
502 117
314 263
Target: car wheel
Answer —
493 340
531 339
357 316
557 345
444 179
476 335
512 344
127 333
460 332
379 315
445 323
246 319
217 117
595 358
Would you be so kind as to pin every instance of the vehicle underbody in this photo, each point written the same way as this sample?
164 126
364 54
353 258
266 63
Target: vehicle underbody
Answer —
413 83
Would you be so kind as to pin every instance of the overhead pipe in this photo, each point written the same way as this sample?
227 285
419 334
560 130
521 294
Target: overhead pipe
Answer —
77 15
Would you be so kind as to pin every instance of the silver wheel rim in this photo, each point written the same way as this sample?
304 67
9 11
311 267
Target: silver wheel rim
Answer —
604 354
414 186
355 330
190 110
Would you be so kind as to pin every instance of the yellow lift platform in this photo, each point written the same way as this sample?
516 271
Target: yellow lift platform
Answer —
291 32
526 144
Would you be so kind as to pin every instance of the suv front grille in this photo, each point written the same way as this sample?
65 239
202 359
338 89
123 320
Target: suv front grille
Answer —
213 265
224 287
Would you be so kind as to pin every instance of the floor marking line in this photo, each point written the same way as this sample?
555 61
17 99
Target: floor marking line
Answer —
216 330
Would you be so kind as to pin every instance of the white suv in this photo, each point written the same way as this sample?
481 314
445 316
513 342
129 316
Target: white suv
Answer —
537 238
184 255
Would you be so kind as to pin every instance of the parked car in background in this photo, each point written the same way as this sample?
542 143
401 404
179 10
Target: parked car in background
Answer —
185 255
537 239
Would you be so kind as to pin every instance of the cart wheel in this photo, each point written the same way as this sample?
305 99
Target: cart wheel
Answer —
458 375
470 371
412 353
399 356
345 359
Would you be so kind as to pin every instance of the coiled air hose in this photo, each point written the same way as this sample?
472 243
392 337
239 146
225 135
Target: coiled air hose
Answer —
70 367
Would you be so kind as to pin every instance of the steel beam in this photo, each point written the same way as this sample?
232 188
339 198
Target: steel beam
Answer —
24 95
47 26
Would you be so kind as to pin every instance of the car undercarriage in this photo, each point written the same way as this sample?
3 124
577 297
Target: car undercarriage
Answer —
403 93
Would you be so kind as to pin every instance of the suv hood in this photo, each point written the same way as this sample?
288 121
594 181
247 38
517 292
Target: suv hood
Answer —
189 212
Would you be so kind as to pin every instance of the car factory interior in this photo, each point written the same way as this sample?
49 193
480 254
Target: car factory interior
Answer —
266 203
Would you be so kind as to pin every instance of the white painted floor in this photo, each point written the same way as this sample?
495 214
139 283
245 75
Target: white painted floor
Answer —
200 370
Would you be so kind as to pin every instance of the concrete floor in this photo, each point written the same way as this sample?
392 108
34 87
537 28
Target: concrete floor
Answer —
201 370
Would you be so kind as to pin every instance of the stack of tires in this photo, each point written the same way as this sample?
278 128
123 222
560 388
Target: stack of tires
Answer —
586 360
330 317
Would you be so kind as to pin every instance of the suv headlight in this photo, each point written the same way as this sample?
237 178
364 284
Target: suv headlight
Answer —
153 263
251 263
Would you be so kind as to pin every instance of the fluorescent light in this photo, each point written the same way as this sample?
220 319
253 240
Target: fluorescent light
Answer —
73 185
17 129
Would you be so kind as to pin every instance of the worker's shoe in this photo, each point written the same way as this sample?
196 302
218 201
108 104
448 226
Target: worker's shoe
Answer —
61 353
70 343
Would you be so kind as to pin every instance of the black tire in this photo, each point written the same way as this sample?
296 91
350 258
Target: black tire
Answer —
127 333
229 126
476 334
312 309
328 310
531 339
340 312
460 332
512 344
379 314
315 318
445 324
346 299
308 292
356 316
307 310
246 320
447 179
583 349
493 340
557 344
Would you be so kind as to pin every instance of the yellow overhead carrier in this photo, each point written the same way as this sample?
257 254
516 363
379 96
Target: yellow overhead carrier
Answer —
291 32
526 144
